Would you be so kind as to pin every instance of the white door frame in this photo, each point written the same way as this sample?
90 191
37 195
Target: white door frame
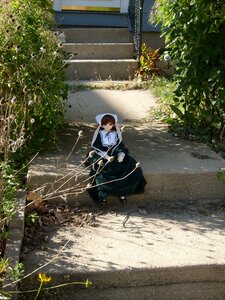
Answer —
115 5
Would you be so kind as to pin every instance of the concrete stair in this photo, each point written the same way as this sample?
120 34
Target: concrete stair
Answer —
99 53
165 245
97 35
175 169
100 50
92 19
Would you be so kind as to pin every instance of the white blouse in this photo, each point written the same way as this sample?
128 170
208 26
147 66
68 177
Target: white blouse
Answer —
108 138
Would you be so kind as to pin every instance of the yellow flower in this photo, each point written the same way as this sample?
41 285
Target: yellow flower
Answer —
44 278
88 283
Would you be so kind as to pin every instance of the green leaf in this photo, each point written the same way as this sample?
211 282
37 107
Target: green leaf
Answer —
177 111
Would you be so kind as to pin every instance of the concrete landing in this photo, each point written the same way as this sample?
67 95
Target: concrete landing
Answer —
130 105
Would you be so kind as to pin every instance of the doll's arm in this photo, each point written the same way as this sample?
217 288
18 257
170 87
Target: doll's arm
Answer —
99 149
103 154
120 156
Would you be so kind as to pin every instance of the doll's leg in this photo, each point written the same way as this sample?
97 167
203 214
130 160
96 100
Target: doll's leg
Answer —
103 198
123 200
104 203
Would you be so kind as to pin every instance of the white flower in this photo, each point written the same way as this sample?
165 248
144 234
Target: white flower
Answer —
32 121
80 133
167 58
30 103
17 48
13 100
62 37
43 49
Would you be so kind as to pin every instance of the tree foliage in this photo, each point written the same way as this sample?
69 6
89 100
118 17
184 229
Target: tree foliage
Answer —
194 31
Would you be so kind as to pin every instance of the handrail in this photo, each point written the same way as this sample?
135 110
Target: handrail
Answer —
136 15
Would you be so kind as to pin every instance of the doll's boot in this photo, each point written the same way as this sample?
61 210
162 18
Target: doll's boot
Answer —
104 203
123 200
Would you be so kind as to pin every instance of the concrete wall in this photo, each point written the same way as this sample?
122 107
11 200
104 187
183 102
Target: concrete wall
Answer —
146 26
151 33
153 39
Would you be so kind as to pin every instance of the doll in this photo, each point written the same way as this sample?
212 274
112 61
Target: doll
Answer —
111 162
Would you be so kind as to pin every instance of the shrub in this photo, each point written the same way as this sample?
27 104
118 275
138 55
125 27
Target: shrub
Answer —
32 83
194 32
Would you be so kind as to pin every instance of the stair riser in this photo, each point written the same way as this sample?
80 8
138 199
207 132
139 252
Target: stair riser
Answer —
187 283
160 187
101 70
97 35
186 291
100 51
92 19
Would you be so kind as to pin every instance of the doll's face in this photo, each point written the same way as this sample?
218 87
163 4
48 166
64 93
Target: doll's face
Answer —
108 126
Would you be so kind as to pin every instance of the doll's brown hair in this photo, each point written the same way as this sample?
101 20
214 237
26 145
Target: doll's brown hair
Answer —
108 119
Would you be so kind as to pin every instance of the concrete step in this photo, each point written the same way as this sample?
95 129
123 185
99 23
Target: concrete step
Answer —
93 19
166 244
100 50
101 69
175 169
94 98
96 35
157 252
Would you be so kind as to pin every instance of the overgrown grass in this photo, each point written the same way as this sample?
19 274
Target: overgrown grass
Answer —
163 88
109 85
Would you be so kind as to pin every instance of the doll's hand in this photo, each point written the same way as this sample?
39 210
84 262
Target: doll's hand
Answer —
91 153
121 156
111 159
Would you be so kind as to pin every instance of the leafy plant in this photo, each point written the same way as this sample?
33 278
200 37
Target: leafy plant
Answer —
10 186
17 272
194 34
147 62
4 263
31 218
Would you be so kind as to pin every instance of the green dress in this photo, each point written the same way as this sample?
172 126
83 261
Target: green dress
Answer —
113 177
